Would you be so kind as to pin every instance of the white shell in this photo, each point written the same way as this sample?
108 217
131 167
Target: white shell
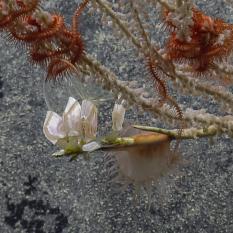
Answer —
118 115
89 120
53 127
72 117
91 146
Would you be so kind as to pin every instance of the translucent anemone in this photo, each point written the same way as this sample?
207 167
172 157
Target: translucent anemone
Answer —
145 162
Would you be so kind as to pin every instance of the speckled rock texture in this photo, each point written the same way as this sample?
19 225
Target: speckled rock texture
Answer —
41 194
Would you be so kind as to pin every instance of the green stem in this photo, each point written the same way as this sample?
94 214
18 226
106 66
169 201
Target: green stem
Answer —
191 133
118 141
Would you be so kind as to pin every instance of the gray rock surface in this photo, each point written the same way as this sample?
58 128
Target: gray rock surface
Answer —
41 194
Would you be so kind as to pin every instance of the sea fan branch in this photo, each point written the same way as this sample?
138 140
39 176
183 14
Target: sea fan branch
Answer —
167 67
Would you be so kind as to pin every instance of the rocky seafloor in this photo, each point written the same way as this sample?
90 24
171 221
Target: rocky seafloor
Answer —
41 194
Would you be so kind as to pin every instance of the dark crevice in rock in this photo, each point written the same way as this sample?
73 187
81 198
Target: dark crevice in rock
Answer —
31 214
